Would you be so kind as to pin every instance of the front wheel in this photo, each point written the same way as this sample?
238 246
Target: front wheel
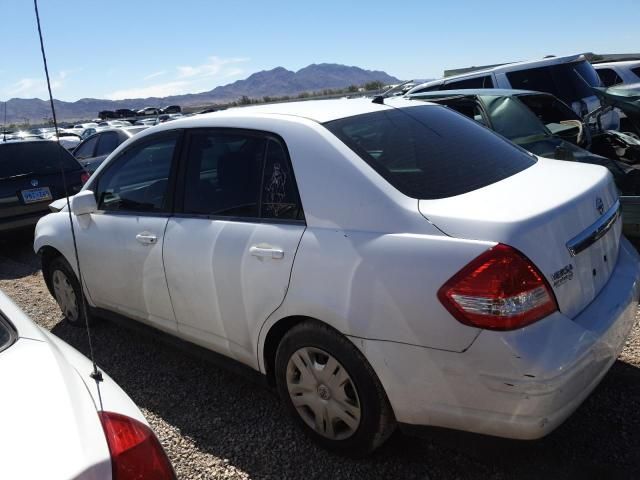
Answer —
331 390
66 291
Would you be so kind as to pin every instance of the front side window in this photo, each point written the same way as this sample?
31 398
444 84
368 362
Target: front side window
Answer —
138 180
430 152
636 70
513 120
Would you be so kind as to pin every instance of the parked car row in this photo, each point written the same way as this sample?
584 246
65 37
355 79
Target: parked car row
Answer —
127 113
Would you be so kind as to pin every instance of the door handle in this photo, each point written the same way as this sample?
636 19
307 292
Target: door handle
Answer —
266 252
146 238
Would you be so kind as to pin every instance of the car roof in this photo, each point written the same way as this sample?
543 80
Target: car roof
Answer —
486 92
623 63
508 67
320 111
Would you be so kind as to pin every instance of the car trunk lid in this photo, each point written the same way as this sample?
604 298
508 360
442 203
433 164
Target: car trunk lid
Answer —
563 216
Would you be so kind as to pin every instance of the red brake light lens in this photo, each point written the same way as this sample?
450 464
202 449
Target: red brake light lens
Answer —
135 451
499 290
84 177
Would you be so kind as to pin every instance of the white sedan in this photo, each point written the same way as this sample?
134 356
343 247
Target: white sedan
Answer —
58 422
382 264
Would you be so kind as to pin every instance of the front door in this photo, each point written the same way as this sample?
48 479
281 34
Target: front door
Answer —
229 253
121 245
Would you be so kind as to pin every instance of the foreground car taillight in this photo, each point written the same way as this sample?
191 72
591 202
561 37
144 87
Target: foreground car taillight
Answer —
84 177
499 290
135 451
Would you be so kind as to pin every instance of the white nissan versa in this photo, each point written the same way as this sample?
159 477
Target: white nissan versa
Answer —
58 423
382 264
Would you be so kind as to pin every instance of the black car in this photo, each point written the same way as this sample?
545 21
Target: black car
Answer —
125 113
94 149
106 114
171 109
31 177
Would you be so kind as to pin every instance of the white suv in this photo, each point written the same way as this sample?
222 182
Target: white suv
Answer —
567 78
615 73
381 264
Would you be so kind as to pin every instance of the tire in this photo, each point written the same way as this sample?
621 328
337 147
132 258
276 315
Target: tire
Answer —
65 289
339 401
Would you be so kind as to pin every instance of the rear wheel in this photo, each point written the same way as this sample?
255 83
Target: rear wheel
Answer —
331 390
66 291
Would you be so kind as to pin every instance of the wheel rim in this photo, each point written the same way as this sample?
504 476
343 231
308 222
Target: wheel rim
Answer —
65 295
323 393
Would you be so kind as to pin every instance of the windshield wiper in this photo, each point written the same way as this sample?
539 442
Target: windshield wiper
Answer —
18 175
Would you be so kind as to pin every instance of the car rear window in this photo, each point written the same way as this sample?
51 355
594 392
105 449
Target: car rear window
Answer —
430 152
43 158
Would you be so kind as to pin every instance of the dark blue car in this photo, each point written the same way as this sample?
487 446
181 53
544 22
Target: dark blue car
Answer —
32 175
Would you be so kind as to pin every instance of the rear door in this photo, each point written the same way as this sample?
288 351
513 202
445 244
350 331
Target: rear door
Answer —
121 244
229 251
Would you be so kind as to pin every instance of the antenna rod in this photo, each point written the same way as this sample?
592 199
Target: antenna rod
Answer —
96 375
4 125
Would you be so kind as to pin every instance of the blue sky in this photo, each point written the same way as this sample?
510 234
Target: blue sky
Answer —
125 48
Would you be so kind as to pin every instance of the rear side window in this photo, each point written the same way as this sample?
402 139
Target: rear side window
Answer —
476 82
240 174
42 158
567 81
279 194
430 152
608 76
636 70
223 173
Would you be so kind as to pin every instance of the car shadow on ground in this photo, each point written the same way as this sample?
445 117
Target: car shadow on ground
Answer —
16 256
232 418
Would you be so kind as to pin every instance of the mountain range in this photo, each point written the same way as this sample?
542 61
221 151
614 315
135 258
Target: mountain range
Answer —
276 82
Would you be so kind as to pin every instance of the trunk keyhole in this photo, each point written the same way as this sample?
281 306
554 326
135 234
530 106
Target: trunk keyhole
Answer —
605 259
594 272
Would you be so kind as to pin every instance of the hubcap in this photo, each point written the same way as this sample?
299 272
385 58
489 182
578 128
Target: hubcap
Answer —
65 295
323 393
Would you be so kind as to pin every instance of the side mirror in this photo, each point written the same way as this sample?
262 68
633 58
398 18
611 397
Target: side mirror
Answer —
83 203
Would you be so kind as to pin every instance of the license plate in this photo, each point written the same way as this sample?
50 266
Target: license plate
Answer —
34 195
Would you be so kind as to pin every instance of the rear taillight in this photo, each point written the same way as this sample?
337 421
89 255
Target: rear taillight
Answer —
499 290
135 451
84 177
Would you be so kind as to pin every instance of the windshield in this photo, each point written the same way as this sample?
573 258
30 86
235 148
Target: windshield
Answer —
25 158
513 120
430 152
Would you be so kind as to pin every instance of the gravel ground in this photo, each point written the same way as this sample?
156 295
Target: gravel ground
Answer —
214 424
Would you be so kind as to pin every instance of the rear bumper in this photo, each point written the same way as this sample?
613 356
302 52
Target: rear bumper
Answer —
520 384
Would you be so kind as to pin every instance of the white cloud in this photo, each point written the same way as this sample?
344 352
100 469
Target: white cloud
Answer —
158 90
186 79
32 87
155 75
213 67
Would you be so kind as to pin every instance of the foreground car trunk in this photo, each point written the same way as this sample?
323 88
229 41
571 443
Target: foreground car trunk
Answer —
543 211
51 428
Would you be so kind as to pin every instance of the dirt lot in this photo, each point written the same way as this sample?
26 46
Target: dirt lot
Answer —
214 424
